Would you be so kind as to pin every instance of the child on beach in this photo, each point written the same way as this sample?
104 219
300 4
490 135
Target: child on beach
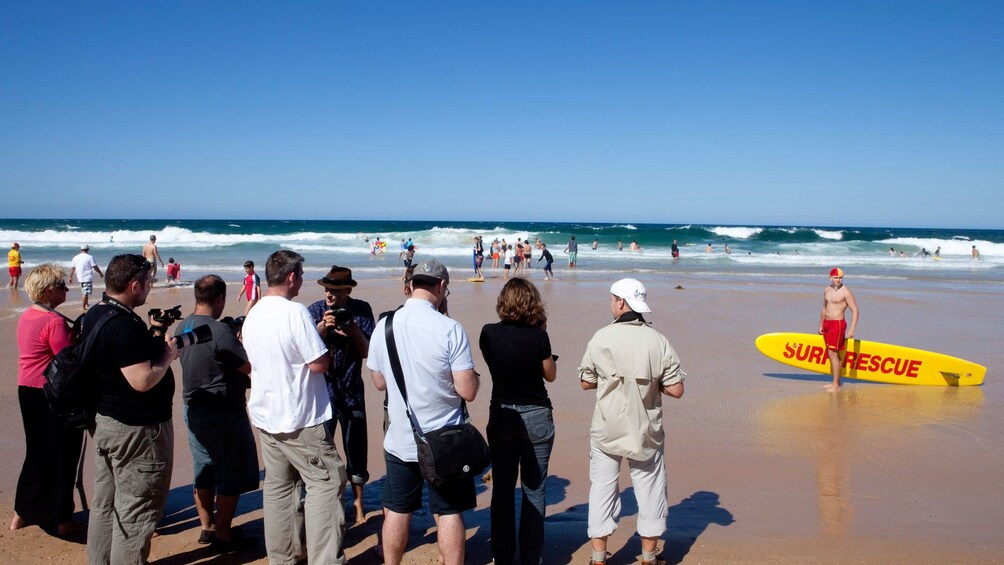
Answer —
407 256
173 270
252 287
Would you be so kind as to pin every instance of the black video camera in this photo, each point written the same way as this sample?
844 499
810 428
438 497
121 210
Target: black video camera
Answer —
235 324
165 317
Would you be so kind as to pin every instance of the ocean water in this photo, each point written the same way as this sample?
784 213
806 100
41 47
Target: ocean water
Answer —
757 251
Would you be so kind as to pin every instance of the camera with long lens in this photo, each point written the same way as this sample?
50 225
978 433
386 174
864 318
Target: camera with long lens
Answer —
198 334
165 317
235 324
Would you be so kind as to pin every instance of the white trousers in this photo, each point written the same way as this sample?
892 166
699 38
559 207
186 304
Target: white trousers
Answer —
649 480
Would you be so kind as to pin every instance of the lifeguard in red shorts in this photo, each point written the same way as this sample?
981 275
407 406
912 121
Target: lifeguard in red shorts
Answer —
837 298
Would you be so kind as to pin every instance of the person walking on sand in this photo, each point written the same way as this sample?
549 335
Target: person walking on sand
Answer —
84 267
152 254
14 265
837 298
630 365
252 287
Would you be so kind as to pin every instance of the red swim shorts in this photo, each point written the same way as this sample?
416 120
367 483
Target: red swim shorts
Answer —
14 271
833 334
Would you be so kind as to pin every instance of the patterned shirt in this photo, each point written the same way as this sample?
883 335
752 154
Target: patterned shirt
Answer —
345 377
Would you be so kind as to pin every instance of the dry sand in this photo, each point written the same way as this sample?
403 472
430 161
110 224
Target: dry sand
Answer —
764 467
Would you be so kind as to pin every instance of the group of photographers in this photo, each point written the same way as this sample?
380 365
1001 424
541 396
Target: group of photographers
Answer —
134 436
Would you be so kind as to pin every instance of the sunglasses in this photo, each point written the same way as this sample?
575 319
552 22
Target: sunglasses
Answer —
61 285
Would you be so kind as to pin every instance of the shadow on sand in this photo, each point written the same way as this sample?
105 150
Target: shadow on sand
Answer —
686 521
565 531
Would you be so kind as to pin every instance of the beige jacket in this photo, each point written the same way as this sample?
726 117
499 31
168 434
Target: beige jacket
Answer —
630 363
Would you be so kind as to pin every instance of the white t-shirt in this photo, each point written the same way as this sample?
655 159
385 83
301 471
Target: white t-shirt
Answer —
431 347
281 339
509 254
84 265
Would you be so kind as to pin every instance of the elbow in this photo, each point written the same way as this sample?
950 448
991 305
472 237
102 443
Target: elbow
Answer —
676 390
470 392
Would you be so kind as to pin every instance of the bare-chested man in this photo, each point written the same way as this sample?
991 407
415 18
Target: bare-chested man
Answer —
837 298
152 255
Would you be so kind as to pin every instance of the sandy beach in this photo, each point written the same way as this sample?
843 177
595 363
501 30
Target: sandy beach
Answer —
764 467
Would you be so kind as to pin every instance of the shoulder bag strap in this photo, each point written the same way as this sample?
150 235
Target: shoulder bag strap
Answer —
92 334
395 365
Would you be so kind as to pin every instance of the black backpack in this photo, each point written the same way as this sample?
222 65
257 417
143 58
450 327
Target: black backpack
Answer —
70 385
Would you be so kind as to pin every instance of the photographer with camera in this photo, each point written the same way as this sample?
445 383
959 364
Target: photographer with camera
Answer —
133 431
214 383
346 324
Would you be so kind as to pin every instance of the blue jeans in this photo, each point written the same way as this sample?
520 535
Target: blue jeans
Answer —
520 438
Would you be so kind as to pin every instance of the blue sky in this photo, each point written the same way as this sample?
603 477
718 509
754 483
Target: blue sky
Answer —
811 113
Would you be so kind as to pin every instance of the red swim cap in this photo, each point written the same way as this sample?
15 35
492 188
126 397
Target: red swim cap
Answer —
837 272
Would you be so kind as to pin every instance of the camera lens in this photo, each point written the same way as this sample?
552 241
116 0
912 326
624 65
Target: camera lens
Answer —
343 318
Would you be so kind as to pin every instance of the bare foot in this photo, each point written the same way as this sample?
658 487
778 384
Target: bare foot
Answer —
17 522
360 513
831 388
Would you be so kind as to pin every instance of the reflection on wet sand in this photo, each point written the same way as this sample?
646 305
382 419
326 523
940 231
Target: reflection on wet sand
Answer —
837 431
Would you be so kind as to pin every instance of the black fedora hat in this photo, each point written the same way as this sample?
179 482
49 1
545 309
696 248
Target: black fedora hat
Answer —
337 277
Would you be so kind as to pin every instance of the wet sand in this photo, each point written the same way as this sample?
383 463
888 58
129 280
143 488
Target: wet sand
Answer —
764 467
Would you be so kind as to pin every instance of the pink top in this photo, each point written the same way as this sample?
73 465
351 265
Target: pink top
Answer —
40 335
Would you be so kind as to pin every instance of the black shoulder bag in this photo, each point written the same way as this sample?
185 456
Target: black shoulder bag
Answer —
449 453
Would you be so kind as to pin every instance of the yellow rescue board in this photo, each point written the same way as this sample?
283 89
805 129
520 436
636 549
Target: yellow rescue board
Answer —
475 279
872 361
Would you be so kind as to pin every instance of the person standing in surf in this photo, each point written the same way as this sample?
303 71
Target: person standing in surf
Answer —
837 298
479 257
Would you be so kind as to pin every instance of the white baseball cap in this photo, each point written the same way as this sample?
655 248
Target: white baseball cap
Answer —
633 292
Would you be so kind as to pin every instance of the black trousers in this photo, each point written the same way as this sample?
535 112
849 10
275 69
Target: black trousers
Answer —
44 493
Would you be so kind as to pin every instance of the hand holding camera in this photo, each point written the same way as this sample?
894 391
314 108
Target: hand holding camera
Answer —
160 320
339 320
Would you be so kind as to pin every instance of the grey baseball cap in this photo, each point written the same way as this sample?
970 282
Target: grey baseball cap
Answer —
432 270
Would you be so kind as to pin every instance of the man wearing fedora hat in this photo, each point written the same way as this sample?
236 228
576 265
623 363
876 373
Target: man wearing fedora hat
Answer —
346 324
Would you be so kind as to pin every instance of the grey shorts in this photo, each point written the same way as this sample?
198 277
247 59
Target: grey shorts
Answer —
223 451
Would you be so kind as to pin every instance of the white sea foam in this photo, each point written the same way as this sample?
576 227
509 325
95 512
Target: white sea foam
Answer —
829 234
736 232
949 247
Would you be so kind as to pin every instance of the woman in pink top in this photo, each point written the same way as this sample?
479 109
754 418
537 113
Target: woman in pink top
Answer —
44 493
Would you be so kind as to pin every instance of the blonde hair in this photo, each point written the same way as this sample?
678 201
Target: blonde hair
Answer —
43 278
520 302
